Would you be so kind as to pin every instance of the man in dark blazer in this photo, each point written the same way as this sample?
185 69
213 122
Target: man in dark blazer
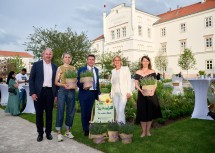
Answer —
87 96
43 91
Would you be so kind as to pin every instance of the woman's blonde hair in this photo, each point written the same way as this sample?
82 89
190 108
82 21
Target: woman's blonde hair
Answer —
117 56
64 54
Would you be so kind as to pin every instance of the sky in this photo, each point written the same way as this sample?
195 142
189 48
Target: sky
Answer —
18 17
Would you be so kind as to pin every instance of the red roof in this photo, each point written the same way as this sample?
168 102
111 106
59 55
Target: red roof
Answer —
98 38
11 53
188 10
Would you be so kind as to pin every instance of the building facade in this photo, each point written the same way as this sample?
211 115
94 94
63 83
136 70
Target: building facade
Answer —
137 33
27 58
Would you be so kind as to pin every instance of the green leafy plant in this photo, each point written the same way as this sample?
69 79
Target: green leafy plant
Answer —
201 72
70 74
112 126
148 81
126 128
86 74
97 128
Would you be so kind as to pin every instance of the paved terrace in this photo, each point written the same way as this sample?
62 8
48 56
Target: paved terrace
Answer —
19 136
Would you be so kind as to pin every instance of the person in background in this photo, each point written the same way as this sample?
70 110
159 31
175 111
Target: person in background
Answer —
148 107
22 79
158 76
13 99
43 92
66 96
87 96
121 88
1 81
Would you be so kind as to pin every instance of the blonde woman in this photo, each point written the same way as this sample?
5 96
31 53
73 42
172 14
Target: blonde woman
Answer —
121 88
148 107
66 96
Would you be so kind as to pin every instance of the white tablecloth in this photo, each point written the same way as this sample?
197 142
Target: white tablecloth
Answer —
30 103
200 87
4 94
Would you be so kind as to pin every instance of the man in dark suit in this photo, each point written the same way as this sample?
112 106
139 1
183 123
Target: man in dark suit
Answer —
88 96
43 91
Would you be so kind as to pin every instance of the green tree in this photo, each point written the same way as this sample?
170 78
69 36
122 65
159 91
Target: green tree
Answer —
68 41
134 66
11 64
161 62
186 60
106 61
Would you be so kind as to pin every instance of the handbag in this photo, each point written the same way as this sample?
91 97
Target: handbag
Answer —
12 90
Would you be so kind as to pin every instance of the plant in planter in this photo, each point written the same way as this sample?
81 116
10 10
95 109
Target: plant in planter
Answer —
87 79
126 133
113 133
71 78
148 84
202 73
97 131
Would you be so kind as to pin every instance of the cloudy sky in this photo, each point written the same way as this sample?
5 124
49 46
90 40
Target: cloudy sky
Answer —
17 17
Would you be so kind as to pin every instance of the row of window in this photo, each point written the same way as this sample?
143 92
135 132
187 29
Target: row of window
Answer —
118 33
208 23
140 31
123 30
183 44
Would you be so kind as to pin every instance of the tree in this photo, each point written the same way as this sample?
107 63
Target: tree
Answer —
186 60
11 64
134 66
59 42
106 61
161 62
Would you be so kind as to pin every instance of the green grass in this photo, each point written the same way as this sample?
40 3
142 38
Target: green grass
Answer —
184 136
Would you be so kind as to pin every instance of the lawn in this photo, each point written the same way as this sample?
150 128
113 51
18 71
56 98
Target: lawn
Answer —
183 136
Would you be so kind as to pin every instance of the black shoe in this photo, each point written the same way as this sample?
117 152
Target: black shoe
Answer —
49 137
86 133
39 138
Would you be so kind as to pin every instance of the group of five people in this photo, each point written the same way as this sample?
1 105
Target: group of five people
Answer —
47 84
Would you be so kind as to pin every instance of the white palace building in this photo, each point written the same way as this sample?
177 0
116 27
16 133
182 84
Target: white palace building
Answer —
137 33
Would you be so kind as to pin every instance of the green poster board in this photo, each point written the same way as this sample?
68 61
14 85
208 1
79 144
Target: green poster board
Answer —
104 110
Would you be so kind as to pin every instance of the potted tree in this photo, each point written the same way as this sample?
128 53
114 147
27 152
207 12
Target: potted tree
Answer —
202 74
113 134
126 133
87 78
97 131
71 78
148 84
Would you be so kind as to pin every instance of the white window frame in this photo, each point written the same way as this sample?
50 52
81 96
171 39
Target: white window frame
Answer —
149 32
183 27
183 44
163 32
139 30
124 31
208 42
112 34
208 22
163 47
118 33
209 64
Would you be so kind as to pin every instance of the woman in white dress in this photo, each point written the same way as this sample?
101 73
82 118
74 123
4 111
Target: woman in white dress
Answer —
121 88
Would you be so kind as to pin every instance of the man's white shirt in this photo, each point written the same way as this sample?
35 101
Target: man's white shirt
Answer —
21 77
